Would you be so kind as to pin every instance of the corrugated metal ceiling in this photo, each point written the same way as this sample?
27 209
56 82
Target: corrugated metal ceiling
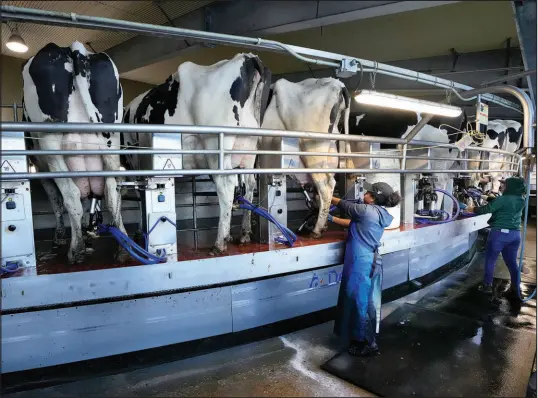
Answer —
36 36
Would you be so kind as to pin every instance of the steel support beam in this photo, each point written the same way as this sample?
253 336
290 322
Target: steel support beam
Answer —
268 17
525 19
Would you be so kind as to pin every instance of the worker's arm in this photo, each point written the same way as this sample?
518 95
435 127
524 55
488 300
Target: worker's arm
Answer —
339 221
491 207
352 210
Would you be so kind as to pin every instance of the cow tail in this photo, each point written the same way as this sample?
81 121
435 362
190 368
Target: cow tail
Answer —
81 76
347 111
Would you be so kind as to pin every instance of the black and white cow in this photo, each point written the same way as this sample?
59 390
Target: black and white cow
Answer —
501 134
375 121
70 84
229 93
316 105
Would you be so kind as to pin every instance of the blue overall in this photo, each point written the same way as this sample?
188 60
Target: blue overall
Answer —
359 299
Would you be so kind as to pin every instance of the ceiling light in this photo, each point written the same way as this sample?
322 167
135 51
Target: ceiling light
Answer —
386 100
16 43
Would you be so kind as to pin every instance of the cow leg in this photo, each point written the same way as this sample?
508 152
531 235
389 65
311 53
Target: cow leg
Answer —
56 201
71 198
325 184
225 186
113 201
246 226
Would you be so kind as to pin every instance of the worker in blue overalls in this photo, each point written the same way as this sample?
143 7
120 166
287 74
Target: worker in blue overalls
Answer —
359 300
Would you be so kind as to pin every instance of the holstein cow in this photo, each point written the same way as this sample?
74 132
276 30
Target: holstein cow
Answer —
314 105
229 93
375 121
501 134
70 84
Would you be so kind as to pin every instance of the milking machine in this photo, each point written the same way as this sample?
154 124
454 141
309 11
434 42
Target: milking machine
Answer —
158 198
273 211
426 196
18 250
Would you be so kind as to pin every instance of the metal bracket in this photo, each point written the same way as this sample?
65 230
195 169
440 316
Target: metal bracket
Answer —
455 57
208 25
348 67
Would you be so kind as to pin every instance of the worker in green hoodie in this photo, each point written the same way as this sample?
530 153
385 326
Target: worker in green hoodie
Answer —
505 237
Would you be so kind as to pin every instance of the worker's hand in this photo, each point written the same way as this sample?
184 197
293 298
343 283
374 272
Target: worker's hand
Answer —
330 218
470 209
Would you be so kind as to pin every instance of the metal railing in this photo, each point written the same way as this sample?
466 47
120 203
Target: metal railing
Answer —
86 128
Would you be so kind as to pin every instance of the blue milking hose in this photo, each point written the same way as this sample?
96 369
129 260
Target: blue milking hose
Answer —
289 236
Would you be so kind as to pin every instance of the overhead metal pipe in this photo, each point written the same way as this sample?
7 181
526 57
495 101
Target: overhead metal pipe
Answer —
424 121
304 54
509 77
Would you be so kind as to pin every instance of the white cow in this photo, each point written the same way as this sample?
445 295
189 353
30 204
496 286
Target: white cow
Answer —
229 93
375 121
314 105
70 84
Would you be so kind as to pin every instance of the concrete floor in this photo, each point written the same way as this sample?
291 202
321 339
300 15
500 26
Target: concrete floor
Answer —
288 365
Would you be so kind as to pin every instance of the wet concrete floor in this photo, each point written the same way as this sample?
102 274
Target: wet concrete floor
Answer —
287 365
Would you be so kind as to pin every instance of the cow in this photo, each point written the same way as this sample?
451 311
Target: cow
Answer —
73 85
229 93
316 105
383 122
501 134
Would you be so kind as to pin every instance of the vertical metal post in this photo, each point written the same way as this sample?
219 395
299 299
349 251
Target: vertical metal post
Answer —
15 114
429 160
407 205
404 157
273 198
447 203
371 158
221 151
194 214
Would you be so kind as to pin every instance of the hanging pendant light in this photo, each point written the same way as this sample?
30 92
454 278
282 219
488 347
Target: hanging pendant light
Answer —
16 42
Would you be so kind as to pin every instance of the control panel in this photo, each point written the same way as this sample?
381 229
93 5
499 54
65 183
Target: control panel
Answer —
17 228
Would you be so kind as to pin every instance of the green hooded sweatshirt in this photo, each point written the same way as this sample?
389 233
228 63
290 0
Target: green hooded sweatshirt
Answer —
507 209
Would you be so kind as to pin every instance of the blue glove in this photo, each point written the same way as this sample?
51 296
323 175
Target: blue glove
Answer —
330 218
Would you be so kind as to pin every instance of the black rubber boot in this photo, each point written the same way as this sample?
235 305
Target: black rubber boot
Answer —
485 288
363 349
511 294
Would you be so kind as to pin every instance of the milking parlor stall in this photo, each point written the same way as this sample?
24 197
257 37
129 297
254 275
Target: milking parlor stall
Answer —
200 208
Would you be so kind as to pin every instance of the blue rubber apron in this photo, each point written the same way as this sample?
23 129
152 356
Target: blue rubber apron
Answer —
359 300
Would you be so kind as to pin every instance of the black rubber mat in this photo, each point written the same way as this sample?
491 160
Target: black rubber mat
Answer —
427 352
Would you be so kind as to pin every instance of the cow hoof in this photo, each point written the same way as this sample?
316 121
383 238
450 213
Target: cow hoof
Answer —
122 257
314 235
89 250
59 242
229 239
245 238
215 251
77 258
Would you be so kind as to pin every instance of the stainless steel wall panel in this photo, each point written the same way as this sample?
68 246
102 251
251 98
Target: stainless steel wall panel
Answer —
51 337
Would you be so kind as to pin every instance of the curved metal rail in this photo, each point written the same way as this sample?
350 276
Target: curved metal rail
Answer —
304 54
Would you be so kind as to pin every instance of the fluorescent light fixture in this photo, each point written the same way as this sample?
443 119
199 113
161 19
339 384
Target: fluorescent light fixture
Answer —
16 43
386 100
